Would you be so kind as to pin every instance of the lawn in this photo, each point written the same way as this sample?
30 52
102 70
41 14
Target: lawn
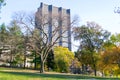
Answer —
20 74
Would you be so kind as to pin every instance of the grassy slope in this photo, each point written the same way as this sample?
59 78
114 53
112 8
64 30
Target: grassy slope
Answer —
20 74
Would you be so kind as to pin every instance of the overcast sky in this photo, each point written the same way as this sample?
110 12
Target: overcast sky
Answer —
99 11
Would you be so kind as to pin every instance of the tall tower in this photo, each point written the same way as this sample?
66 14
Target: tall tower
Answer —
56 16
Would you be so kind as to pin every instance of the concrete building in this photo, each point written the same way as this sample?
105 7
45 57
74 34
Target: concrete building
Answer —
58 18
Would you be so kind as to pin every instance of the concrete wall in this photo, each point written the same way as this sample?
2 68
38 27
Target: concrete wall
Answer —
57 17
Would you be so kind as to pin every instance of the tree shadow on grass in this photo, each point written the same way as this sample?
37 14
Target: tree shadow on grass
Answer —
60 76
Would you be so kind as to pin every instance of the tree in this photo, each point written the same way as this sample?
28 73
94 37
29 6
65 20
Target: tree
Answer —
3 34
110 49
15 41
63 59
115 39
103 64
36 59
3 40
117 10
92 38
111 57
40 41
50 60
87 59
2 3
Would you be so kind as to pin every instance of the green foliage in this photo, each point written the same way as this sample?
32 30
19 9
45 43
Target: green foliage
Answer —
63 59
11 37
36 61
84 56
91 36
110 55
88 58
3 33
115 39
50 60
14 29
2 3
108 45
16 42
116 72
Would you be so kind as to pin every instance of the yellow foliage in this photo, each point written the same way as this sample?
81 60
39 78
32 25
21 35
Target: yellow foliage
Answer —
110 61
63 57
62 51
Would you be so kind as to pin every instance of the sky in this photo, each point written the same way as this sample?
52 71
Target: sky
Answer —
99 11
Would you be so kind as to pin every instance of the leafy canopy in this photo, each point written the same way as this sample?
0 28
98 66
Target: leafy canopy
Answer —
63 58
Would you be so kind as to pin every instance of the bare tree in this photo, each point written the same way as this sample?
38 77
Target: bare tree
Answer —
43 41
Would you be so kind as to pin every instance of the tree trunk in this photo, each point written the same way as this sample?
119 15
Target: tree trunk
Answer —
83 69
35 62
95 71
0 53
41 64
11 59
102 73
24 61
24 66
25 51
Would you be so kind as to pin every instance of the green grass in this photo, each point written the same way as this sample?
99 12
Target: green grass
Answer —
20 74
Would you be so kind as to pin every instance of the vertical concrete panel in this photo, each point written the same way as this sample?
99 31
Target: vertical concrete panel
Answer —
61 18
69 28
60 24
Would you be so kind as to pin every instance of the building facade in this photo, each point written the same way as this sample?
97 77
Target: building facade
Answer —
58 19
